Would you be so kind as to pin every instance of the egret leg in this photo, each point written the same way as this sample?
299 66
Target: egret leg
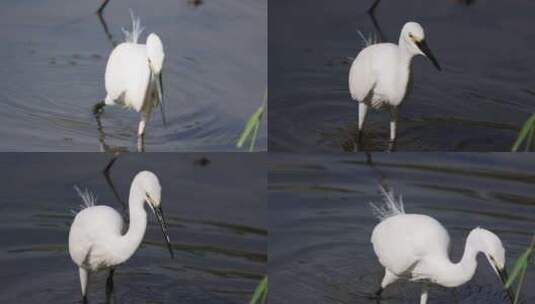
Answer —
393 124
102 6
142 124
84 278
456 295
388 279
141 133
98 108
363 111
379 292
141 143
109 282
377 295
423 297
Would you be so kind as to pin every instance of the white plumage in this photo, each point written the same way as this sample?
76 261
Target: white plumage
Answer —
379 76
91 238
126 61
416 247
133 77
97 240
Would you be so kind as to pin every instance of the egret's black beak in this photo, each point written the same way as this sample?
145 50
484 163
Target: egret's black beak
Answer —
504 278
160 97
422 45
159 215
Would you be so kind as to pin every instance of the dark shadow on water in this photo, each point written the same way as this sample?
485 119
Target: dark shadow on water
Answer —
104 147
107 176
371 13
104 25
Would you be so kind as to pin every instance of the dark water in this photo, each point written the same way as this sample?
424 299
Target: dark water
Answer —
216 215
54 54
477 103
320 221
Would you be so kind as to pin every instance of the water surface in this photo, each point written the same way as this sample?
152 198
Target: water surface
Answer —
215 208
477 103
320 221
54 56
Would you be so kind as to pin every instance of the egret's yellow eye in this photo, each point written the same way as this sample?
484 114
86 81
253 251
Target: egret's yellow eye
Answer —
411 36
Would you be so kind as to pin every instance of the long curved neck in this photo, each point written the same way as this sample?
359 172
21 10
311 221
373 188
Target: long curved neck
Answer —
406 53
450 274
129 242
404 68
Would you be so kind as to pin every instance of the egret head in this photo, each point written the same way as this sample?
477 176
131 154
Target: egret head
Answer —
156 57
155 53
413 36
491 246
152 191
150 185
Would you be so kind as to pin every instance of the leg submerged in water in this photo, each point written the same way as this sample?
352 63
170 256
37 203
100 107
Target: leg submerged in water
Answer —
109 282
423 297
98 108
141 132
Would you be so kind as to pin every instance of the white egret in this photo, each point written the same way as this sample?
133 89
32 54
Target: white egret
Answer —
380 74
96 239
133 76
416 247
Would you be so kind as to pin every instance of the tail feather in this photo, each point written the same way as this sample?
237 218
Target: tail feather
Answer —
391 206
137 29
372 39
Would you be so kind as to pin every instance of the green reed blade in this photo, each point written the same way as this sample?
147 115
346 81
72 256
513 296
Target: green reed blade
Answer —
524 133
520 264
260 292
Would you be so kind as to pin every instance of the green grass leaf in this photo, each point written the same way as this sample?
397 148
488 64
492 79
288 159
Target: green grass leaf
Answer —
525 134
260 293
520 264
519 270
250 131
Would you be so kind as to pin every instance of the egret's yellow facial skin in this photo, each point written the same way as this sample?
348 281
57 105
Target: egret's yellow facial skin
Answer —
413 33
151 189
414 38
